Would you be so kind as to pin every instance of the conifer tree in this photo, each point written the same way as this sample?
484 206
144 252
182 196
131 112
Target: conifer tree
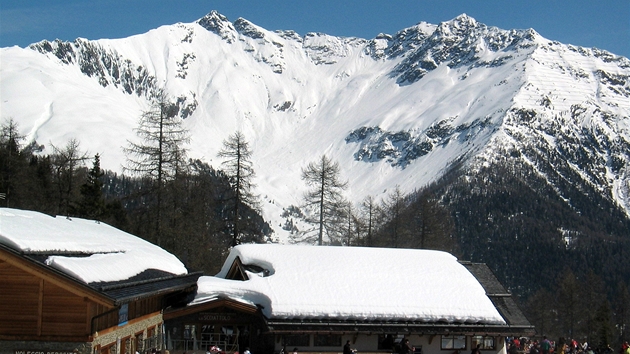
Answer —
568 301
65 163
351 228
11 161
622 309
369 210
428 224
325 196
394 206
160 155
92 204
239 169
603 326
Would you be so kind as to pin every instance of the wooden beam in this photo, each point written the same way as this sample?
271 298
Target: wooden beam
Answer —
90 313
40 309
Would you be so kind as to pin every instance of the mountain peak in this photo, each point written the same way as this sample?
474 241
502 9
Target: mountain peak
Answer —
219 24
214 14
459 24
464 21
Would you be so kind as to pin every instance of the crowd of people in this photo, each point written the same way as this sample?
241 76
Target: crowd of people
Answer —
562 346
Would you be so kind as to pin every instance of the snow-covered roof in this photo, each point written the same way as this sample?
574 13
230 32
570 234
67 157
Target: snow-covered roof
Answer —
357 283
85 249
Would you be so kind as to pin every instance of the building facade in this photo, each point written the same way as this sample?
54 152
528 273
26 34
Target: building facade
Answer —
231 317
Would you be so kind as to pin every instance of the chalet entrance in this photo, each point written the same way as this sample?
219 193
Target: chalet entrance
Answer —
217 326
201 335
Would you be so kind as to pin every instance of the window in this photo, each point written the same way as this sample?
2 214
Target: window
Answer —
322 340
151 340
138 345
453 342
110 349
297 340
485 342
125 345
190 331
388 341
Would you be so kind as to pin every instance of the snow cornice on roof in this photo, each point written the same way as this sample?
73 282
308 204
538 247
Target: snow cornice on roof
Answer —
88 250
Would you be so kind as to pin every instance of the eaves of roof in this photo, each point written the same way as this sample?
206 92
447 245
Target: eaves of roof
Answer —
127 292
370 327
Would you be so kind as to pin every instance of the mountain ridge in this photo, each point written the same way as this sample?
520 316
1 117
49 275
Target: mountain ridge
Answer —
395 110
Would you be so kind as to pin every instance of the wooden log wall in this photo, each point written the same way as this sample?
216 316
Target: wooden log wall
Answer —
32 308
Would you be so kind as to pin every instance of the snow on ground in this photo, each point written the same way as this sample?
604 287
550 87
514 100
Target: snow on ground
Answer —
312 282
88 250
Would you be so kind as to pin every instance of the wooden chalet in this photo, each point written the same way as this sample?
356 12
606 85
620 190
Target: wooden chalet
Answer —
47 310
226 319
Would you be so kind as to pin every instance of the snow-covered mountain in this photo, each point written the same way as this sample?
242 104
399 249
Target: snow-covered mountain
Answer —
395 110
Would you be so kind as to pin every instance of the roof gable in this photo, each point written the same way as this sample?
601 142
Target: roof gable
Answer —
236 271
217 303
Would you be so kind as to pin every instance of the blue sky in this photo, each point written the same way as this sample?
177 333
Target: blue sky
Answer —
603 24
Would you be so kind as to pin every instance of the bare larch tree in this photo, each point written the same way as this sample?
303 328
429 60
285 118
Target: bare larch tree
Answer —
160 154
325 196
239 169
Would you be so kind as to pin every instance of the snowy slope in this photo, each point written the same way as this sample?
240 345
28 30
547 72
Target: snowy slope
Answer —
395 110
